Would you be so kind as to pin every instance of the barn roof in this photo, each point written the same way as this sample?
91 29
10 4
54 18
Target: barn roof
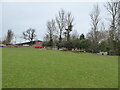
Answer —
29 42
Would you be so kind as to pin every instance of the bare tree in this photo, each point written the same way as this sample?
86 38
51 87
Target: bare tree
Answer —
9 37
65 36
118 28
94 33
69 24
51 30
61 23
112 8
29 34
118 21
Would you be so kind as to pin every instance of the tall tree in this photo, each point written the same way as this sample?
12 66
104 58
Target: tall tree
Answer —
29 34
69 24
94 33
118 21
65 34
118 28
9 37
61 20
112 8
51 30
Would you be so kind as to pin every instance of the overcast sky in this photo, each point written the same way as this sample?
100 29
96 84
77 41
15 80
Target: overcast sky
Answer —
19 16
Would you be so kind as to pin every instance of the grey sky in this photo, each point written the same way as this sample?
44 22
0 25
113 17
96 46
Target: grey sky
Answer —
21 16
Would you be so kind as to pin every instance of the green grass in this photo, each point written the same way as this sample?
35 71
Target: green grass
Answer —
35 68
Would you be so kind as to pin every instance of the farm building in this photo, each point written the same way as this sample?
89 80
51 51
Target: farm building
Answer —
32 43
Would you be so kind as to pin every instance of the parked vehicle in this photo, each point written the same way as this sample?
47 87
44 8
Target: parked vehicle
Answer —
2 45
37 46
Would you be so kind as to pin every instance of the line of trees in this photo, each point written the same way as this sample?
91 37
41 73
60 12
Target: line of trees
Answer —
99 38
59 29
29 35
60 26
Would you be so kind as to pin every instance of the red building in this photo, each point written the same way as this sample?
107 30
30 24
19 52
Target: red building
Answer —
35 44
38 44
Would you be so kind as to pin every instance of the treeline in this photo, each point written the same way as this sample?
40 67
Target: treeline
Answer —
29 35
61 33
99 38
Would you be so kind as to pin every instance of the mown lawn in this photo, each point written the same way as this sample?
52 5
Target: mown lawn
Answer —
35 68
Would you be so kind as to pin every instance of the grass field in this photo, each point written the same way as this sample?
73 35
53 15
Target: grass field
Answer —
35 68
